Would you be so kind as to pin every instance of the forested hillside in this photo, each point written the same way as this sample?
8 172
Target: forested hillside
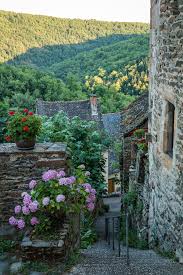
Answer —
63 59
21 32
112 57
21 86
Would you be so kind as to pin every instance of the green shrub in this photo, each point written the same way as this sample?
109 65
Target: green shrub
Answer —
6 245
84 140
4 107
88 233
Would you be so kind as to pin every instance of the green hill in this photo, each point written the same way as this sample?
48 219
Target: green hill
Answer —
59 59
112 57
21 32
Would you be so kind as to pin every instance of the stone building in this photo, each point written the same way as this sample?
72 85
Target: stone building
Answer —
133 117
111 122
166 126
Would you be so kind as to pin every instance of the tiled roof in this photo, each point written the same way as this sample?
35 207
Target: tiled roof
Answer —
71 108
80 108
135 115
111 123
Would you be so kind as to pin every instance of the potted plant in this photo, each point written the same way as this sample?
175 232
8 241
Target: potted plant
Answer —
140 141
22 128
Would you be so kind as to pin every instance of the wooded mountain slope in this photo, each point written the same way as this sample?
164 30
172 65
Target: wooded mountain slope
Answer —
65 59
112 57
20 32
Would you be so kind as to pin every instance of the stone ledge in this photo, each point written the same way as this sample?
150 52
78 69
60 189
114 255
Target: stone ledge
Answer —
49 148
69 239
18 167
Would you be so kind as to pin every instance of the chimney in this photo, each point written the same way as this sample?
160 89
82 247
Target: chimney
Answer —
93 102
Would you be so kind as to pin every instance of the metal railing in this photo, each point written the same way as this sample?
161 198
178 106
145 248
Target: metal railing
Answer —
114 223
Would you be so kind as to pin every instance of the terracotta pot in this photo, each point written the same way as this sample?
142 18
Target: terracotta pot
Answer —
25 144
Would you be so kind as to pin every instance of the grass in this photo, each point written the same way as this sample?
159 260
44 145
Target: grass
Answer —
133 239
166 254
51 267
34 266
73 259
88 232
7 246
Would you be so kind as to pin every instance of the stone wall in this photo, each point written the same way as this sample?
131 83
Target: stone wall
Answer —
139 183
166 85
126 159
61 248
17 168
128 153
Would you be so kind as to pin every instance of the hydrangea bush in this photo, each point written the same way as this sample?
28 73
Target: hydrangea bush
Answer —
49 199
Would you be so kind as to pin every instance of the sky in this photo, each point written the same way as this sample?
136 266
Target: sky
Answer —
108 10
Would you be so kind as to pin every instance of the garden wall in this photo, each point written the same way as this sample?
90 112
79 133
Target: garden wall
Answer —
166 126
17 168
68 240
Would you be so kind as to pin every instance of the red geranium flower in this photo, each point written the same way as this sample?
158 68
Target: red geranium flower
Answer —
25 110
11 113
26 128
30 113
24 119
8 138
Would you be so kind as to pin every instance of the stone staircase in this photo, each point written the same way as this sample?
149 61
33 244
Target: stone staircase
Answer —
100 259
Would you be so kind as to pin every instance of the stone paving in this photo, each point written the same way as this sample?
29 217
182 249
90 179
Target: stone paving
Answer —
100 259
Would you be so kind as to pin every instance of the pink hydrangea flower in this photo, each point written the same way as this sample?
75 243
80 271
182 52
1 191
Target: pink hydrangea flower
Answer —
82 167
90 206
90 198
67 181
12 221
72 179
61 174
32 184
25 210
93 191
87 174
60 198
20 224
63 181
27 199
87 186
46 201
23 194
34 221
49 175
33 206
17 209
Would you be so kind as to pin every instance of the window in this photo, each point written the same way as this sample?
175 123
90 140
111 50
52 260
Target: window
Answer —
168 141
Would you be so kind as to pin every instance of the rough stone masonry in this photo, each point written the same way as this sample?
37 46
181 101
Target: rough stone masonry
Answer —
17 168
166 126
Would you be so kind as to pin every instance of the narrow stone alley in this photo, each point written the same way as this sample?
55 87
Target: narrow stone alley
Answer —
100 259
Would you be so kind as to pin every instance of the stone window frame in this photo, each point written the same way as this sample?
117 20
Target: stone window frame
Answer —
169 129
167 160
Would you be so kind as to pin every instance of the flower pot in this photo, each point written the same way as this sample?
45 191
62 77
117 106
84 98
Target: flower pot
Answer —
25 144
